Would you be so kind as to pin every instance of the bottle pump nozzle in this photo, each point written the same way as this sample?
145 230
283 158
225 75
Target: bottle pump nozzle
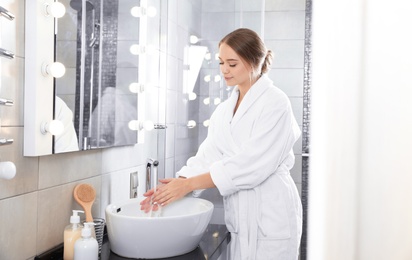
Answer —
87 231
75 218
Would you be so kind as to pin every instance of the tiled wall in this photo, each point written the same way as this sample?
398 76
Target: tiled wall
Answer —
35 206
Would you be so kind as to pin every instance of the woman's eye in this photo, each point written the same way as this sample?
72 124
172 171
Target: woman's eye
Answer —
232 65
220 63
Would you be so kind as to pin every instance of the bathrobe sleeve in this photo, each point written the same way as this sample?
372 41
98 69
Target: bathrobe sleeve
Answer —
269 145
205 156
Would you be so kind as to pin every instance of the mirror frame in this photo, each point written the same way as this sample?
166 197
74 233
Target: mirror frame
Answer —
38 87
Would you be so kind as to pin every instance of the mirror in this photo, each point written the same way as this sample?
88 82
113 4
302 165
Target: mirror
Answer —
98 42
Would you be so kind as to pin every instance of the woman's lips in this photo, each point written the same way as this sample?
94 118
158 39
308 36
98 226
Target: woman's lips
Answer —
228 78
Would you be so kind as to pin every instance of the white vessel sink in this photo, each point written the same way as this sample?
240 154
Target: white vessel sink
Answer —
178 230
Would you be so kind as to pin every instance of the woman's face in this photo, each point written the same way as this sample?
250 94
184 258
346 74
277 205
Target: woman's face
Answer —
233 68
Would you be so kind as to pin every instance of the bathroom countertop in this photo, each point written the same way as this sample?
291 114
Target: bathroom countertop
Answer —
214 242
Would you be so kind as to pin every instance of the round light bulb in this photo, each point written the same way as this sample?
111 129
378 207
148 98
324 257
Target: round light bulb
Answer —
191 123
133 125
217 56
208 56
217 101
136 49
206 123
192 96
207 78
217 78
193 39
206 101
136 87
56 9
136 11
56 127
56 69
138 125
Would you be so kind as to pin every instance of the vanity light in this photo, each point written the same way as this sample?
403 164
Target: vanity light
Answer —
192 96
206 123
136 49
138 11
54 127
217 56
207 78
206 101
55 69
191 124
193 39
137 125
208 56
217 78
136 87
55 9
217 101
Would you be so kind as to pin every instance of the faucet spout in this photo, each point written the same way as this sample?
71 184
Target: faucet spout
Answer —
134 183
151 174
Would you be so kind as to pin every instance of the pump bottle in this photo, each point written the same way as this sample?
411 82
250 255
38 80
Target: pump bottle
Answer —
86 248
72 232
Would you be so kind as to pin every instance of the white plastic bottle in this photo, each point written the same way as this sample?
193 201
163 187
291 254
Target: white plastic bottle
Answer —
86 248
72 232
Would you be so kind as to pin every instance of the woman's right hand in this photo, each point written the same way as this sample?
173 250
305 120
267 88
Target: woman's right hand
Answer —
147 204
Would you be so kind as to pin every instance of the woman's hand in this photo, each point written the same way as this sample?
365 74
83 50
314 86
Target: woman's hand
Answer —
171 190
147 204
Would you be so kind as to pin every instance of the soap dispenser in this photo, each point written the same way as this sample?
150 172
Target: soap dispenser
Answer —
86 248
72 232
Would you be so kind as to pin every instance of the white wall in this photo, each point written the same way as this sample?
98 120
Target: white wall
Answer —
360 170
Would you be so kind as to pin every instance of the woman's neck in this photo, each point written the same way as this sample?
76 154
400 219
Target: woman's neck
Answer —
244 88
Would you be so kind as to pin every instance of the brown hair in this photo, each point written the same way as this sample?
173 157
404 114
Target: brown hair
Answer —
250 47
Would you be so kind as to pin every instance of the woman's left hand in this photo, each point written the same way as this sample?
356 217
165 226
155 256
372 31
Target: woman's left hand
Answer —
172 190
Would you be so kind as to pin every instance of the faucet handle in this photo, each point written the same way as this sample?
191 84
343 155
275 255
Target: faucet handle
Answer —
134 183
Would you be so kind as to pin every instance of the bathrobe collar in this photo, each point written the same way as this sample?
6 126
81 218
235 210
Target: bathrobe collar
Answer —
257 89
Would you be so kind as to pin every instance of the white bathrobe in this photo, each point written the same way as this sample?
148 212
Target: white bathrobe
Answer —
249 155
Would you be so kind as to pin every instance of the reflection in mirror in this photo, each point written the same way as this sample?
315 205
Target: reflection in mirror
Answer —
93 41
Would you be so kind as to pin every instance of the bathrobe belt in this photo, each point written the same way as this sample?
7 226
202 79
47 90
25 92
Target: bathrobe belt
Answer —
250 219
250 223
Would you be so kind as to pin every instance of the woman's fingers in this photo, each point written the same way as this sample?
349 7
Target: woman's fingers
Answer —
172 190
148 193
165 181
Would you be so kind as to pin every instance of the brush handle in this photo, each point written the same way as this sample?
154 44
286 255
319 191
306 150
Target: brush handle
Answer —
88 212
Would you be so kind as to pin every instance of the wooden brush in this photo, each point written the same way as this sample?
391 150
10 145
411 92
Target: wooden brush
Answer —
85 195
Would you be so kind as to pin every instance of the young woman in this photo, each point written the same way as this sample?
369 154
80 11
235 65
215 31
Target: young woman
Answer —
247 155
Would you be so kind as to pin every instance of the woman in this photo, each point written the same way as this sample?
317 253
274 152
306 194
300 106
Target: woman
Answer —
247 155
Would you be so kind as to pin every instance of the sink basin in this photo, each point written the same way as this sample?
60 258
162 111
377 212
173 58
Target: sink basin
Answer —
178 230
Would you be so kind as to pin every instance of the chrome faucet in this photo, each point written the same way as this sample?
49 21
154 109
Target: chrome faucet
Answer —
151 173
134 183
